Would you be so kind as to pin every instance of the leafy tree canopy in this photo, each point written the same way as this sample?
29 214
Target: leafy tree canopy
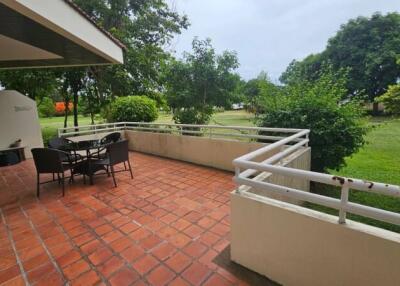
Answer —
336 129
368 46
200 81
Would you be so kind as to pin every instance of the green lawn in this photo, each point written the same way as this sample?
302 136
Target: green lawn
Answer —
379 161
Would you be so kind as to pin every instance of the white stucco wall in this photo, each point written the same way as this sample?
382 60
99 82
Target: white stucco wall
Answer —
19 120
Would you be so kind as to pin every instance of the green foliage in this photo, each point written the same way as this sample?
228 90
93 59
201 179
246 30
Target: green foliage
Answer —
48 133
391 99
46 107
199 82
255 90
34 83
133 109
336 129
368 47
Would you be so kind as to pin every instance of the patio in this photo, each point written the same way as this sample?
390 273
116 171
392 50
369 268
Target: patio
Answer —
168 226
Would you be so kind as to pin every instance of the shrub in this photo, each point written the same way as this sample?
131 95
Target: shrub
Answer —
134 109
336 129
46 107
391 99
48 133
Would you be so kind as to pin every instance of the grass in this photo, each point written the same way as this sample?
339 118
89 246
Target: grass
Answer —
377 161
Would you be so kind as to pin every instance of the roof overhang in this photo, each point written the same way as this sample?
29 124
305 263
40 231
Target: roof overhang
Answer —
50 33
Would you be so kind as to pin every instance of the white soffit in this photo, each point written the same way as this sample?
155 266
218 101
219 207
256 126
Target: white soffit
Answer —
62 18
13 50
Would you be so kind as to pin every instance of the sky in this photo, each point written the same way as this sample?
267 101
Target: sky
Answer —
268 34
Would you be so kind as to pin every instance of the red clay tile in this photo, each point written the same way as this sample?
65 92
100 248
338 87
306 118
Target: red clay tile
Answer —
139 234
121 244
163 251
160 276
37 273
91 246
111 266
9 273
217 279
195 249
111 236
86 279
193 231
150 242
125 276
145 264
181 224
74 270
68 258
132 253
178 281
103 229
179 240
178 262
129 227
196 273
36 261
100 256
169 218
16 281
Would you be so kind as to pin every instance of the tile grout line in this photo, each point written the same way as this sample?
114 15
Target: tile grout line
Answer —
43 244
83 255
10 238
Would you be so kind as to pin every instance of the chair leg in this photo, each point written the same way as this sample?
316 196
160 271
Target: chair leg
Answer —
113 175
108 171
130 169
53 177
58 178
62 184
38 184
124 165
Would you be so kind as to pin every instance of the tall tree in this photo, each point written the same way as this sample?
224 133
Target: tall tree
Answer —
200 81
367 46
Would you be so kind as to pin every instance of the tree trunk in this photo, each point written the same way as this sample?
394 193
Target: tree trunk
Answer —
66 110
75 102
375 108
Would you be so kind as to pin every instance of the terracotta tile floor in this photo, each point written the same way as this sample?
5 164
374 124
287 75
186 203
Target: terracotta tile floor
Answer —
167 226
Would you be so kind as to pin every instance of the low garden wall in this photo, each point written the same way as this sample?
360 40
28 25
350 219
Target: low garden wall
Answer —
296 246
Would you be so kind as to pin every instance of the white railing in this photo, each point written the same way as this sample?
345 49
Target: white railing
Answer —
245 168
284 142
212 131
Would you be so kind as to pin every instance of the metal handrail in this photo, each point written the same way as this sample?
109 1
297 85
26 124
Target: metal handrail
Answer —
245 167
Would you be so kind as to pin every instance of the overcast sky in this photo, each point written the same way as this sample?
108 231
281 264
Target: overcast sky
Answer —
269 34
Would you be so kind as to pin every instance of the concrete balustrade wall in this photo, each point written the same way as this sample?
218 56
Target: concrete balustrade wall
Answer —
296 246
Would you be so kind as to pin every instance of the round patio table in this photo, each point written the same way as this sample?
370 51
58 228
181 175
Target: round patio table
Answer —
86 168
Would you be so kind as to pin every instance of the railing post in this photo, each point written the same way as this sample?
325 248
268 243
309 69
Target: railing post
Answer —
237 173
344 198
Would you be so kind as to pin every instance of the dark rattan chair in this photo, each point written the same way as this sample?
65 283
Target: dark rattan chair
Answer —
116 153
108 139
51 161
58 143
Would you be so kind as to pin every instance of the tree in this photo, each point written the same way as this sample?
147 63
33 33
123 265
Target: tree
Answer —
199 82
256 89
144 27
391 99
367 46
336 128
34 83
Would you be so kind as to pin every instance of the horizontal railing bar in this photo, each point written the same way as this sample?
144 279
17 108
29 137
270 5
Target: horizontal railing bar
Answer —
284 130
270 147
272 160
374 213
356 184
